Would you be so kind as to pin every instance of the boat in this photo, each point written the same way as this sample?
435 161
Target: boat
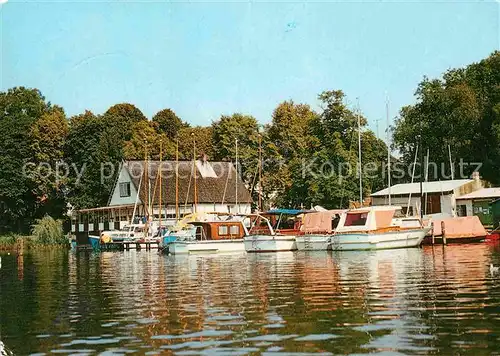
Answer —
317 229
95 242
274 231
207 233
376 227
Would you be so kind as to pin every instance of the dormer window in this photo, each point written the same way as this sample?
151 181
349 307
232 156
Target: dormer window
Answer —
124 190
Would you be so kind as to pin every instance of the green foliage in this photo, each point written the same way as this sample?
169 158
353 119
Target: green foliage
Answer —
321 165
245 129
461 110
47 231
20 108
8 241
168 123
203 137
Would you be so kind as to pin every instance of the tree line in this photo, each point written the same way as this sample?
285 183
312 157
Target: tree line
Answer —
301 150
309 156
456 118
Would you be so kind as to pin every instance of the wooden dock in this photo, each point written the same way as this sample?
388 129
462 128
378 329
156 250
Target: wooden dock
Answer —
124 246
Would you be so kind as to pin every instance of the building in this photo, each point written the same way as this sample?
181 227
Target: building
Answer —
441 196
478 203
216 184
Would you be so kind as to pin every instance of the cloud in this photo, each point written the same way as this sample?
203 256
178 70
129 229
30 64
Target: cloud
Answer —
3 1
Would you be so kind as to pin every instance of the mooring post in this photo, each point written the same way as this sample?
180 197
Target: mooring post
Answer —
433 235
443 232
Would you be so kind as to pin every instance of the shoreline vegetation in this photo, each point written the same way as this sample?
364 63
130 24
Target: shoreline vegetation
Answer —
51 161
46 232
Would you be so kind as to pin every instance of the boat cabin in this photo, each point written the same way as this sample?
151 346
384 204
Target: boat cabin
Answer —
219 230
376 218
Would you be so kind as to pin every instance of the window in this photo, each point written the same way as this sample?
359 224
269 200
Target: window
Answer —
461 210
356 219
407 211
234 230
124 189
222 230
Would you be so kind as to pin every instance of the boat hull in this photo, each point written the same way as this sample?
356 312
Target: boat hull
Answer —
377 241
312 242
265 243
95 242
206 246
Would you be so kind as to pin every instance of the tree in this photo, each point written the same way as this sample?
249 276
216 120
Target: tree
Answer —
290 128
83 153
146 141
168 123
20 108
323 170
47 136
286 145
245 129
459 111
203 137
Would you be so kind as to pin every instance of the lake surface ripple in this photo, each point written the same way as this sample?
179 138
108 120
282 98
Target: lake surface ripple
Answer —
432 300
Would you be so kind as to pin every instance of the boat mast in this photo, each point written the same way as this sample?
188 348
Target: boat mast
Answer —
260 172
452 170
359 160
177 180
421 175
159 199
146 202
412 176
195 173
236 178
388 149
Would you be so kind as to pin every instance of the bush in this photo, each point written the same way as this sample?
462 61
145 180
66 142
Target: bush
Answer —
7 241
47 231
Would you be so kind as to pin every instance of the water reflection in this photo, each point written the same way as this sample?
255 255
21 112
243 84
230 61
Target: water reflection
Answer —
439 300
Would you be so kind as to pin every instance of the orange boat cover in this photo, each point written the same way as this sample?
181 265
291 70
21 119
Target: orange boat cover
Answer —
320 222
462 226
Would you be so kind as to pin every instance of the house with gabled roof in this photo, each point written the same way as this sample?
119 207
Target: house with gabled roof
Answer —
186 187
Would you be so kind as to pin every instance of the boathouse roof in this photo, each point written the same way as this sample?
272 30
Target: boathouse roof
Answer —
485 193
427 187
216 182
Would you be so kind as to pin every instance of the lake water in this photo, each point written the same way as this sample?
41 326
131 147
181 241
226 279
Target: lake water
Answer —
409 301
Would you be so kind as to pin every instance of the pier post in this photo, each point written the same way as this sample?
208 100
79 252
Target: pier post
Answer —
443 232
433 236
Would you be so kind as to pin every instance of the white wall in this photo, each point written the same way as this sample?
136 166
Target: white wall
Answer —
115 198
207 208
468 206
447 203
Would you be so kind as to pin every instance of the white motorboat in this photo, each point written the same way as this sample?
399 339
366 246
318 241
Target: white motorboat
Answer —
374 228
207 233
317 229
274 231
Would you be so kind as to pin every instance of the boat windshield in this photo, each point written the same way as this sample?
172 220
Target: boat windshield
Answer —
356 219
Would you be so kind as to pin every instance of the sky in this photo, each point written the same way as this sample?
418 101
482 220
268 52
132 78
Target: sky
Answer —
205 59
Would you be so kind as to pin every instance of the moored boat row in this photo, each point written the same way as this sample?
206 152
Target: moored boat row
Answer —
288 230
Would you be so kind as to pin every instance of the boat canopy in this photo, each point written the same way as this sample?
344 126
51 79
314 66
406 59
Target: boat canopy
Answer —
319 222
285 211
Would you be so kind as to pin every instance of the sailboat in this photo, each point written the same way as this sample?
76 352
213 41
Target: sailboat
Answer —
207 232
139 232
376 227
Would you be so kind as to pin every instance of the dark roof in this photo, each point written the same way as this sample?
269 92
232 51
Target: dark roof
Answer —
214 180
